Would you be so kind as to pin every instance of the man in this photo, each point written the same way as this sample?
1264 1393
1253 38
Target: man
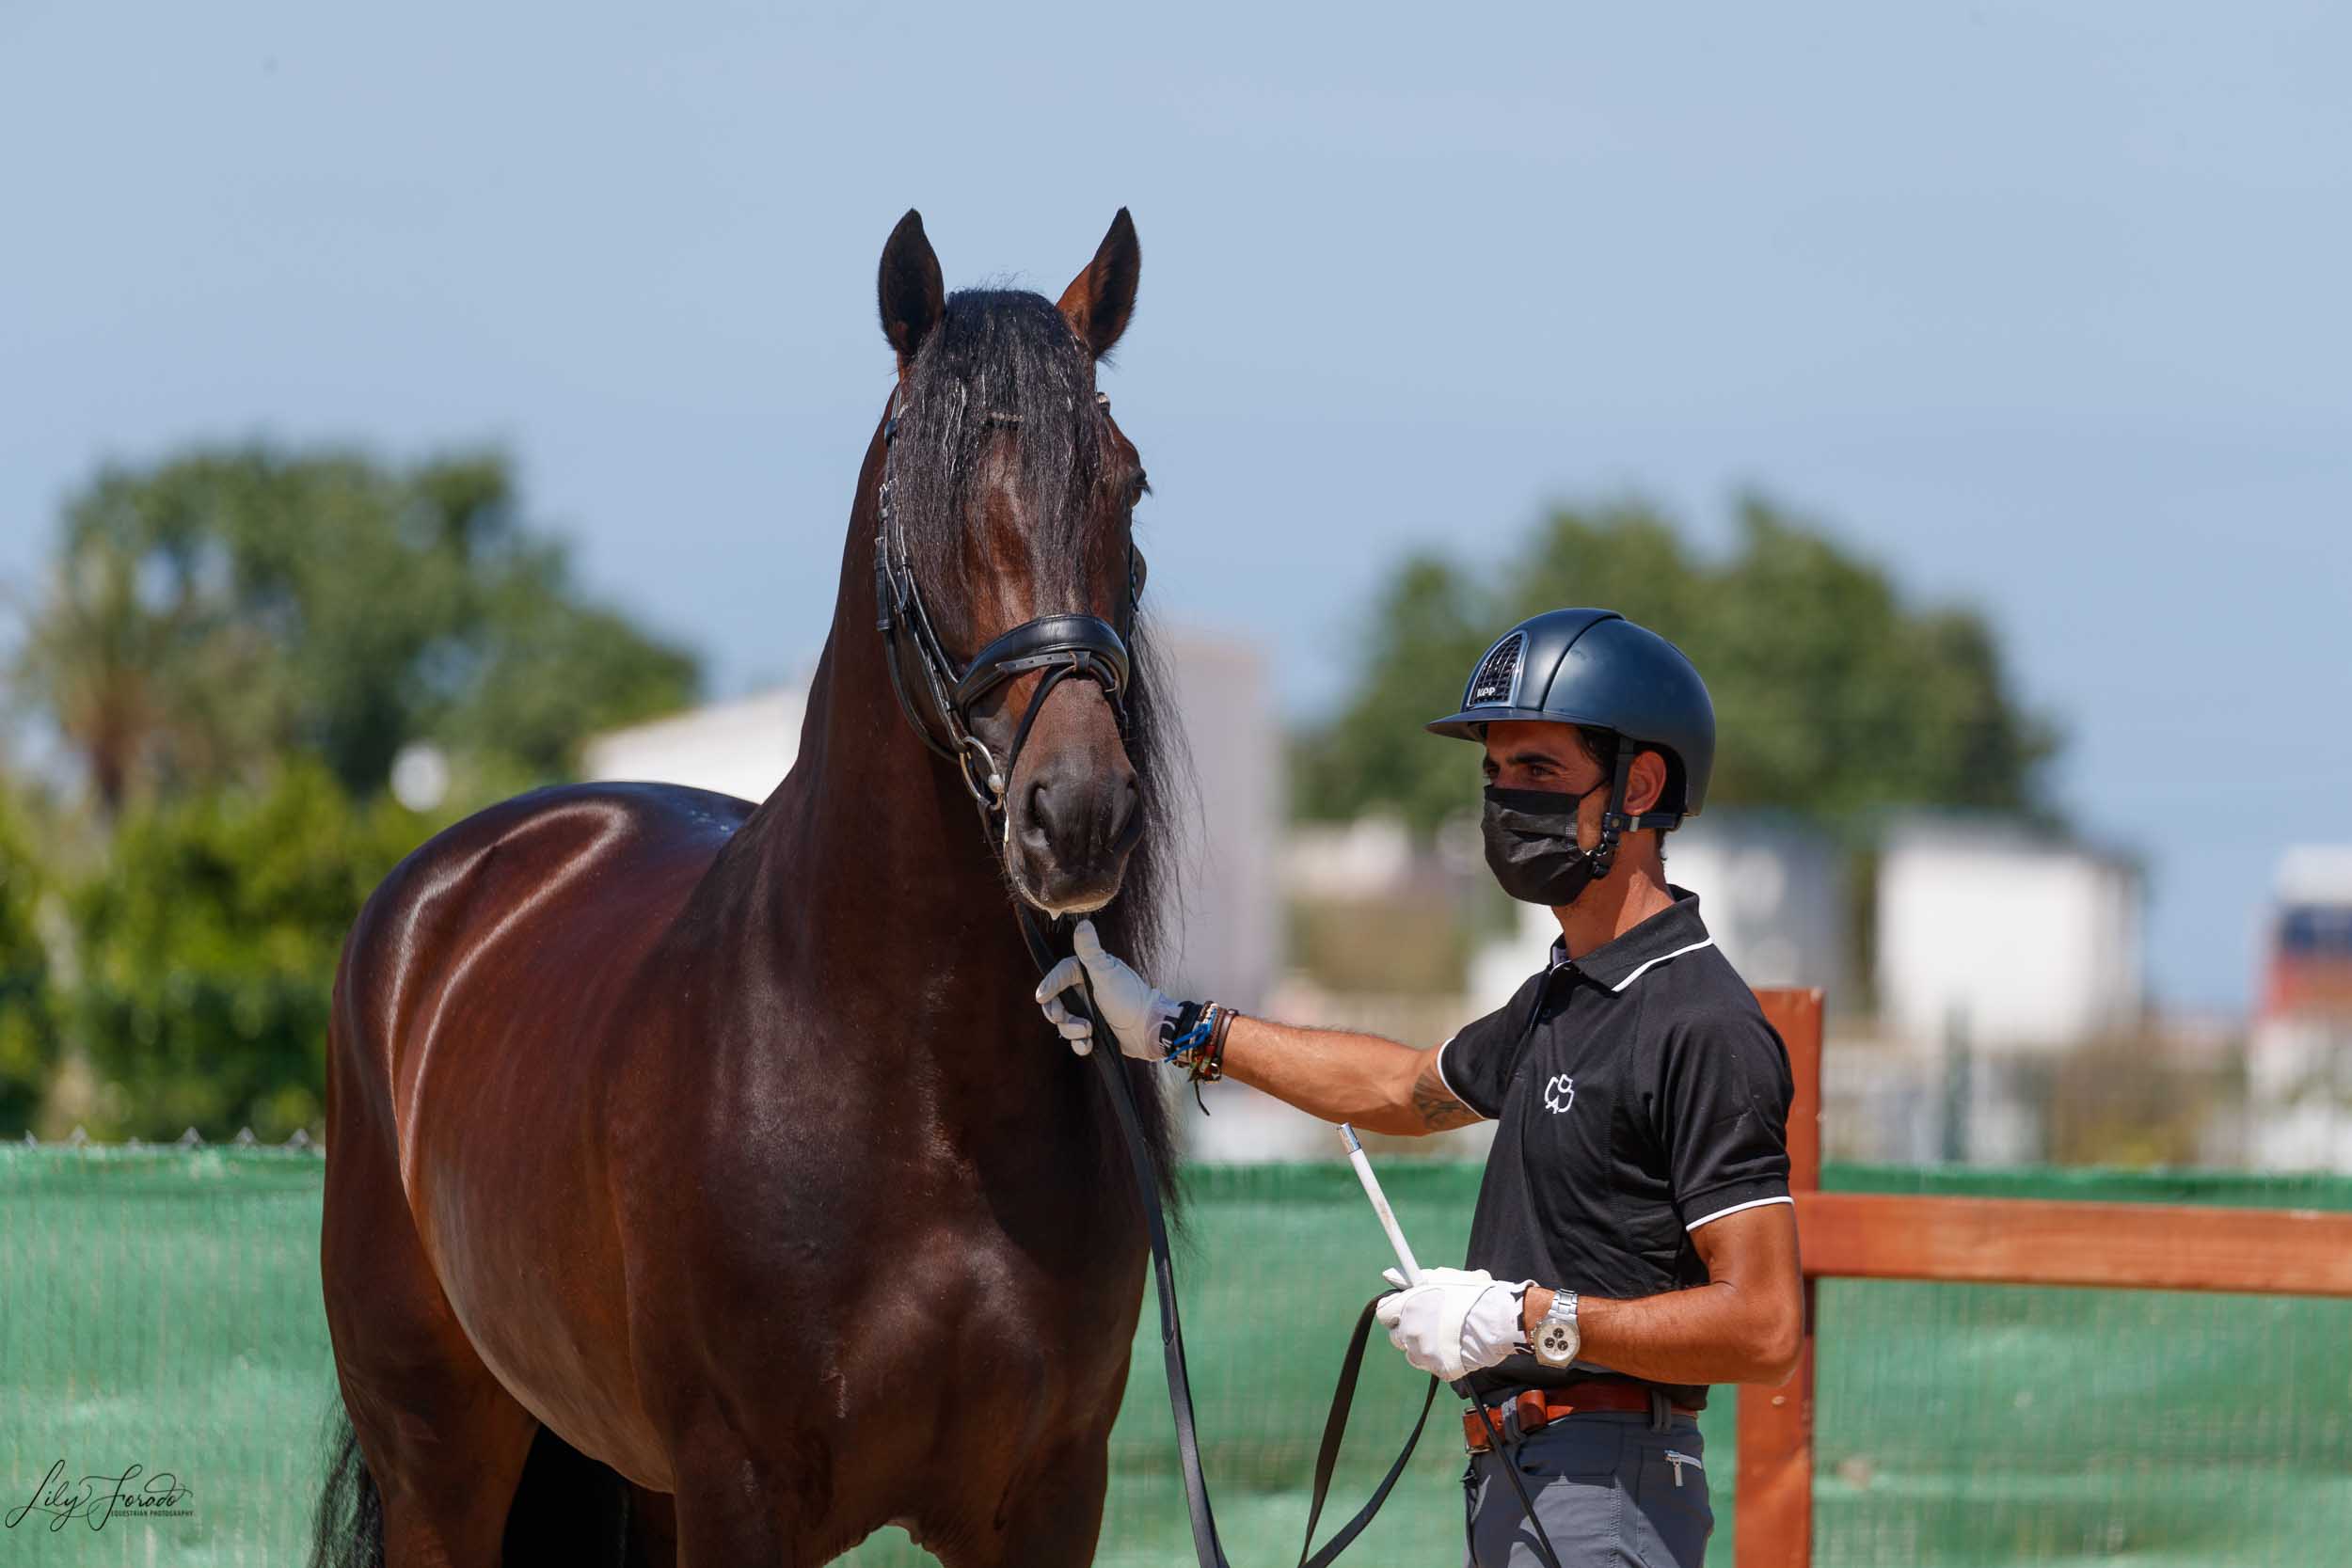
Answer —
1635 1240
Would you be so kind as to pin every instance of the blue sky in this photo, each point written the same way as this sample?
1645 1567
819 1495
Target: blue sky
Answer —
2042 307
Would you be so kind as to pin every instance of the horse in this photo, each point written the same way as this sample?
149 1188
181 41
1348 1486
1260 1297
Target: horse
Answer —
701 1186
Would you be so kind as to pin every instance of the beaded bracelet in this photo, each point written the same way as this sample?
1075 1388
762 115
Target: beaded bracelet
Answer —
1192 1046
1188 1032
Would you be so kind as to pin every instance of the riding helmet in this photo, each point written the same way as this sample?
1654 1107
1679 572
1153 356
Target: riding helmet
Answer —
1595 667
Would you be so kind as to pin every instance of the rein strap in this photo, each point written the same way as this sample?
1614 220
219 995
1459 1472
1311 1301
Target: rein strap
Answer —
1210 1551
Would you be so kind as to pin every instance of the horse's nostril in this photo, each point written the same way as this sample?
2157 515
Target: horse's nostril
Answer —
1078 820
1126 814
1041 812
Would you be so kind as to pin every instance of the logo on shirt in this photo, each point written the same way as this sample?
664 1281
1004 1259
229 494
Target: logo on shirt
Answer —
1559 1092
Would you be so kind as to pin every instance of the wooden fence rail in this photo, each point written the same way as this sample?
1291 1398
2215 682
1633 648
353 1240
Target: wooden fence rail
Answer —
1980 1241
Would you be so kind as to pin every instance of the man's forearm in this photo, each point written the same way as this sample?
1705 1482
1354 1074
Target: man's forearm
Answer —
1326 1072
1712 1333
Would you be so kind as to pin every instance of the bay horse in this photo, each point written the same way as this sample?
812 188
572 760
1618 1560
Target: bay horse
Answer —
702 1183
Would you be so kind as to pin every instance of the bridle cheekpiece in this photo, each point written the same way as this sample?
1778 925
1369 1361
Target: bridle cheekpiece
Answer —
938 698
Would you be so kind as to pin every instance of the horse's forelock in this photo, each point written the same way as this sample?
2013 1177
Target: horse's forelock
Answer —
1000 360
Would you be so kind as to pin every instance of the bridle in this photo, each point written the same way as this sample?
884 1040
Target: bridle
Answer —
938 698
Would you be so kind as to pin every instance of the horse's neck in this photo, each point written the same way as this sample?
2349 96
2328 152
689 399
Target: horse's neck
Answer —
879 840
875 808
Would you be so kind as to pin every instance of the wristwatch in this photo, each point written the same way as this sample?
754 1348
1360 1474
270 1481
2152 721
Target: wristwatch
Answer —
1556 1336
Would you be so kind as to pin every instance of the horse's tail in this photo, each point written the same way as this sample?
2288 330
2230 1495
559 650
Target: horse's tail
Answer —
347 1532
567 1508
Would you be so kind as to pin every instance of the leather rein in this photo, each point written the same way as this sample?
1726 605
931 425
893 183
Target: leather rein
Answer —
937 698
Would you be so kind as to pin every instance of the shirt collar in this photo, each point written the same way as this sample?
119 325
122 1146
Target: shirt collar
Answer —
1616 963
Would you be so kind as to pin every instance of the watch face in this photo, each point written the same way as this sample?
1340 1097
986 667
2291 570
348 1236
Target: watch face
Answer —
1552 1342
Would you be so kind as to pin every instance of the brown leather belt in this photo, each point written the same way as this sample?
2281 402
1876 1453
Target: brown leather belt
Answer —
1532 1409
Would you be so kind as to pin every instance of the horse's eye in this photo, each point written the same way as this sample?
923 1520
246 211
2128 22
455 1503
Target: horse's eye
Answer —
1143 488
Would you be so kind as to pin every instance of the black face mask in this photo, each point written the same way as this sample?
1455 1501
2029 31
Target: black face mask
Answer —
1532 848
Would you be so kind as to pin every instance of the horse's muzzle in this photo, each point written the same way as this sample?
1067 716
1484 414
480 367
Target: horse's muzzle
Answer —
1074 823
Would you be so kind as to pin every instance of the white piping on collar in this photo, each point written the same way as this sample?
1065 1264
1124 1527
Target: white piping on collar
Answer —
1659 960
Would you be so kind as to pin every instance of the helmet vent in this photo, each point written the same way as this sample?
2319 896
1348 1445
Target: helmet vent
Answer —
1497 676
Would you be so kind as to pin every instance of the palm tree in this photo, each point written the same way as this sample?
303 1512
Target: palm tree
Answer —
136 659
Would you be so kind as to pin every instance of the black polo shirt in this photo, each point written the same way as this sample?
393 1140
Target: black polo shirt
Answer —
1641 1095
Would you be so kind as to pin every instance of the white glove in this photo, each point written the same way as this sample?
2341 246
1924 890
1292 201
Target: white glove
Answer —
1454 1322
1135 1009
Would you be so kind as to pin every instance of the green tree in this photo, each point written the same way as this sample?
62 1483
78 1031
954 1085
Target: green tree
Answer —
1428 625
28 1034
225 609
149 678
237 643
209 948
1832 696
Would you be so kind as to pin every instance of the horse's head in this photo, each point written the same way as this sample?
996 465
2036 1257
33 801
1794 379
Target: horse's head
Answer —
1005 565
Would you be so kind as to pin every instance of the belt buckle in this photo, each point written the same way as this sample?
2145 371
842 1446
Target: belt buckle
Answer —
1479 1436
1516 1418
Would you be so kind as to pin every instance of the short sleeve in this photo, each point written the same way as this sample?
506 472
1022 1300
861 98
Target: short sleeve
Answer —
1478 1062
1723 1093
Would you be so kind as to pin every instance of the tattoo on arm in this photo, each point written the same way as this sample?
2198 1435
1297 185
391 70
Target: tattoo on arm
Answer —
1436 1105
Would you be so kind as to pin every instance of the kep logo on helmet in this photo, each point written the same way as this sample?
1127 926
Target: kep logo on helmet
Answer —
1498 676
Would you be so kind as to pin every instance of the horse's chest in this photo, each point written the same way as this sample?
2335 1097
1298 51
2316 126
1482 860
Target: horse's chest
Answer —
1045 1347
1043 1294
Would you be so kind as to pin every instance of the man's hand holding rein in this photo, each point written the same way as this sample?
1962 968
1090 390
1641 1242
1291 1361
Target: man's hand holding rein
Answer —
1138 1012
1376 1084
1454 1322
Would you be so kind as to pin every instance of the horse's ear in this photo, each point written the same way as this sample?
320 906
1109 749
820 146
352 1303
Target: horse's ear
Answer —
912 297
1100 299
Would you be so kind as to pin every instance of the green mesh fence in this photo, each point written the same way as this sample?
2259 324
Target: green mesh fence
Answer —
1983 1424
161 1308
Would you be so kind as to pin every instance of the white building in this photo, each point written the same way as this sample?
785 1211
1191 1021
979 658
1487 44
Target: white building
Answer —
1773 890
2011 941
741 747
1228 939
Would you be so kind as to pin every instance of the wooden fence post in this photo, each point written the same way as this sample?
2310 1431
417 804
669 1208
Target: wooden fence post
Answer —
1774 1506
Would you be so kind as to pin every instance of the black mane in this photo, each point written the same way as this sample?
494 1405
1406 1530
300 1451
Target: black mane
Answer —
1004 360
